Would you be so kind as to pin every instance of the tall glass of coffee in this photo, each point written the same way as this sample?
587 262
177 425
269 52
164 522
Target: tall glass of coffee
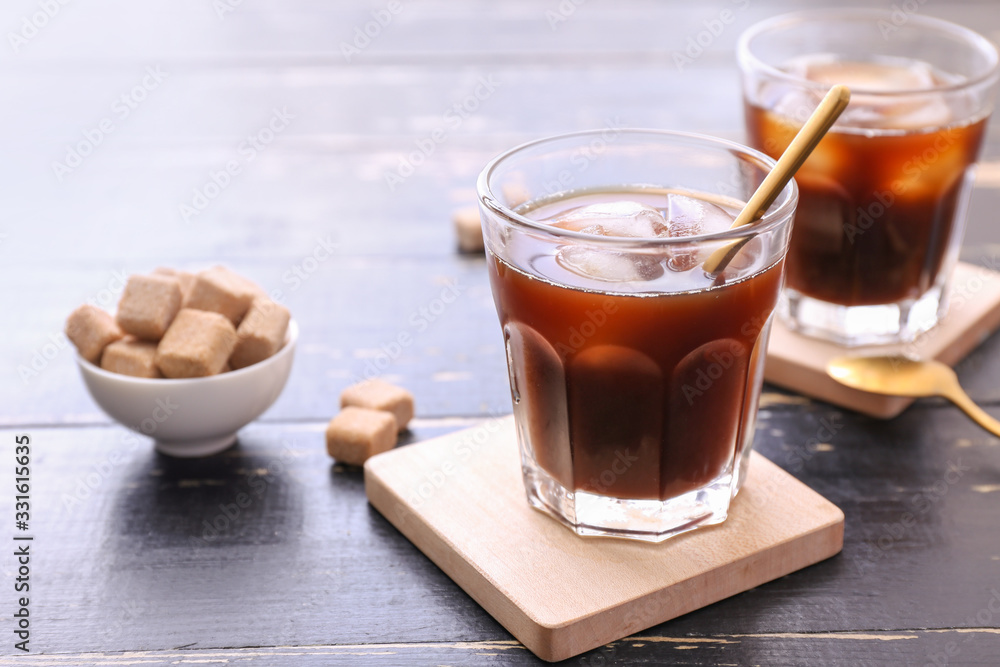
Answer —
883 197
634 373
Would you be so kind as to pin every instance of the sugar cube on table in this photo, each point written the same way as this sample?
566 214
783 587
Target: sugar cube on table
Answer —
185 278
131 356
91 329
197 344
378 394
261 332
222 291
148 305
468 229
357 434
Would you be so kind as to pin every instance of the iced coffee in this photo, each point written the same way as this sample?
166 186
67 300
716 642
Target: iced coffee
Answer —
883 197
634 372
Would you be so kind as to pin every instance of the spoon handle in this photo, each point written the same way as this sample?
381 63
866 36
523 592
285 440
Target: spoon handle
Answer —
957 395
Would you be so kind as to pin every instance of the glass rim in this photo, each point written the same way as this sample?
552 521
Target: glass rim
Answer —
749 61
780 212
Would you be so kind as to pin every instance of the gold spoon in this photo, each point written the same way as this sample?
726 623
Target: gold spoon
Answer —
901 376
798 150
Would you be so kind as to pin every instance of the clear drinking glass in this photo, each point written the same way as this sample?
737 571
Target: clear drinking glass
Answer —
635 374
883 198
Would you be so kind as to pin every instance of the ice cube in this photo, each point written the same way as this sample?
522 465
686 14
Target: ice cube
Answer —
916 113
614 218
687 216
906 112
609 265
866 77
795 106
626 219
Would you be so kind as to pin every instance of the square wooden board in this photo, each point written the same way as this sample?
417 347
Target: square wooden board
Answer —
460 499
799 362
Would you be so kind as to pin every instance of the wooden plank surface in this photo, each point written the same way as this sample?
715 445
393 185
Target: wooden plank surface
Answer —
310 573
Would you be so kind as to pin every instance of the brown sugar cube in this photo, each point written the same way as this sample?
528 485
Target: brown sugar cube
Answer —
148 305
357 434
185 279
131 356
261 333
197 344
91 330
220 290
378 394
468 229
247 283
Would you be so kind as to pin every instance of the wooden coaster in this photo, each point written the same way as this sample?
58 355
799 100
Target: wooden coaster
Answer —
799 362
460 499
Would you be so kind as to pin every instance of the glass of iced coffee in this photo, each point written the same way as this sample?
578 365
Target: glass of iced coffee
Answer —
883 198
634 372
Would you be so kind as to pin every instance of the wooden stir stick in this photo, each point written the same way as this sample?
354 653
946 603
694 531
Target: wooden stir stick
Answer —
802 145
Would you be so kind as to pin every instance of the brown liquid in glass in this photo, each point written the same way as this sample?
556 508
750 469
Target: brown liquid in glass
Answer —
628 395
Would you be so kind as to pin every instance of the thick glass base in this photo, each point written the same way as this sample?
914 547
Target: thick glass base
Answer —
648 520
852 326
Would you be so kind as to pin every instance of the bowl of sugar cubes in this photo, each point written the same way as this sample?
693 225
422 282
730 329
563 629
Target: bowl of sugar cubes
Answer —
187 359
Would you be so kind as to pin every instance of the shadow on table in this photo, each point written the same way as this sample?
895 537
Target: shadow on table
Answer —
242 496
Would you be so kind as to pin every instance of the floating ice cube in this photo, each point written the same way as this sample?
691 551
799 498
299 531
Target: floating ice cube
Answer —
687 216
913 113
905 112
865 77
626 219
615 218
609 265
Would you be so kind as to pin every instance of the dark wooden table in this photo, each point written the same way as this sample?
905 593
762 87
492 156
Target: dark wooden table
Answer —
157 98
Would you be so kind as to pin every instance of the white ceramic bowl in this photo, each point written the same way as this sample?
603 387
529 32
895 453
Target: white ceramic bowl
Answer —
193 416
